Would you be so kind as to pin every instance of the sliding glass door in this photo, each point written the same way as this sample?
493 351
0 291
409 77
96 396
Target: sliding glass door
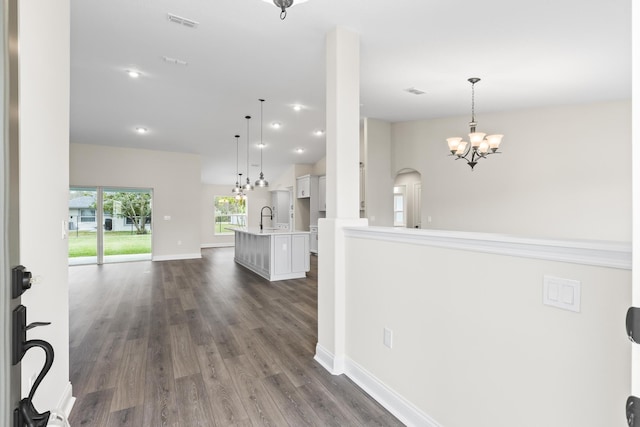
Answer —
83 226
109 225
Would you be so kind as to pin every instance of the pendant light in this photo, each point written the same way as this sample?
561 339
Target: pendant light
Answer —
237 189
261 182
248 186
240 195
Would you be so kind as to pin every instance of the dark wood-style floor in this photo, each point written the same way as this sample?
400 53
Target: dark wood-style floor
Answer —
202 343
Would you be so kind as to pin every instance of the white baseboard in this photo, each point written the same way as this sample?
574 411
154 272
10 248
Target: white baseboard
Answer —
176 257
401 408
217 245
67 400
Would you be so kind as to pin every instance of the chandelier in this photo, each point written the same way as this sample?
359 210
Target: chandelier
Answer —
482 145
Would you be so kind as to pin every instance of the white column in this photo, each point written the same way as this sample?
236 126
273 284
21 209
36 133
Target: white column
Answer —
635 148
343 187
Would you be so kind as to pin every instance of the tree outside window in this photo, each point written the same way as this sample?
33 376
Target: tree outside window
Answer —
229 213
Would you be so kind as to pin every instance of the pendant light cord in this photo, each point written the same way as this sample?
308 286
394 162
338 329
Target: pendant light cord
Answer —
261 129
248 118
237 158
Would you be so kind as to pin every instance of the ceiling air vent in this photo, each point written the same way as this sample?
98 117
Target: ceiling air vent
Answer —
415 91
182 21
175 61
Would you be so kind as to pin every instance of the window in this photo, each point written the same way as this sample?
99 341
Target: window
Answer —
129 221
399 219
87 215
229 213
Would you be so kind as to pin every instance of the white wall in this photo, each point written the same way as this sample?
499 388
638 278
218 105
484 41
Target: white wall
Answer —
473 345
174 178
565 172
376 143
320 167
44 189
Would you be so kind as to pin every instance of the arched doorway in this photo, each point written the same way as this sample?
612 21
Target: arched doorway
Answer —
407 199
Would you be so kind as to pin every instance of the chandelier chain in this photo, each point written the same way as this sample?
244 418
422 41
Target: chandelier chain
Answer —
473 102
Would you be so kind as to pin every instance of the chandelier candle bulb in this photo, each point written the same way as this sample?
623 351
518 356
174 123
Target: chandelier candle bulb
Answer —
494 141
453 144
484 147
476 138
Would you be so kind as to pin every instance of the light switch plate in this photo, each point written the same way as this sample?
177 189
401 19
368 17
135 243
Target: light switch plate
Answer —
388 338
562 293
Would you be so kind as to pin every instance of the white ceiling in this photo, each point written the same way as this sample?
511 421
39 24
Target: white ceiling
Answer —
528 53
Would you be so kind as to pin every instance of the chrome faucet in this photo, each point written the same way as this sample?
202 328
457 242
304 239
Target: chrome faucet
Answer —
262 215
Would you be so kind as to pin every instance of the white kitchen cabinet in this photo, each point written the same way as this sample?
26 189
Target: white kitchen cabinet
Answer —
303 187
322 193
313 240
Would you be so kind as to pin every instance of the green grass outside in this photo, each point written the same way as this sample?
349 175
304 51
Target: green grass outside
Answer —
83 243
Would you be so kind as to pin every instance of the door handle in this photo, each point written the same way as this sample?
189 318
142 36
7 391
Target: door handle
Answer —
633 324
633 411
26 412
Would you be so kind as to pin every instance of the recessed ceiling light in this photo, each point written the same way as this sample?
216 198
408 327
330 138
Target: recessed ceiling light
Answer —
319 132
299 150
297 107
141 130
262 145
276 125
133 74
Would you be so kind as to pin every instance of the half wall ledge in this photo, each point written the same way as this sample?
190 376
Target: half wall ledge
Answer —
585 252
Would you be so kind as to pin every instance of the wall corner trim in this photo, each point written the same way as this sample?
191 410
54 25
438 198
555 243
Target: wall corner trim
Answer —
333 364
66 402
176 257
586 252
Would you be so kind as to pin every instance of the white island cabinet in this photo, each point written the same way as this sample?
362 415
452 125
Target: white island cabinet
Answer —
273 254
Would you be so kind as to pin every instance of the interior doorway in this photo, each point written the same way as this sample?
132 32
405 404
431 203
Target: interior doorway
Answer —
109 225
407 205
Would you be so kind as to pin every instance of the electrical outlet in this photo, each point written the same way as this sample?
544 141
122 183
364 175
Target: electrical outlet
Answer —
388 338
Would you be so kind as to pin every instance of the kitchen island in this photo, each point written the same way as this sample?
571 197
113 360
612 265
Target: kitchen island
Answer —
273 254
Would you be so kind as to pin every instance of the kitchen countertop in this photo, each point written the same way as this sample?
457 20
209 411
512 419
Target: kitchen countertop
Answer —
267 231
